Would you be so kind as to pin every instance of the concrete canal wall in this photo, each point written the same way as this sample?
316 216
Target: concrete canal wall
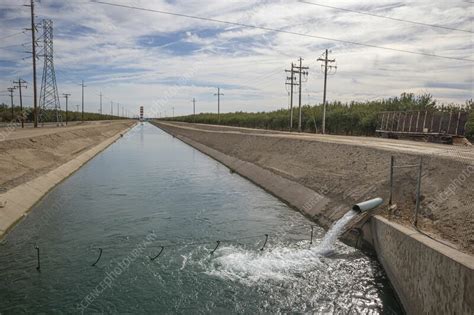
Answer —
21 196
428 276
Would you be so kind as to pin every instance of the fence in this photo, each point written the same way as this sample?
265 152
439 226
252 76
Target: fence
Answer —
451 123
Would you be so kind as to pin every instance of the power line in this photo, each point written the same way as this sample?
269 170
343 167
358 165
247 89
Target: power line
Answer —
385 17
10 46
11 35
280 31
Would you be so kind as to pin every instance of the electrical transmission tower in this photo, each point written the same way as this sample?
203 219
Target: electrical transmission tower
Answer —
49 96
327 69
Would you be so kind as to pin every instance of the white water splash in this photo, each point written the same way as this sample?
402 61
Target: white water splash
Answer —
279 262
334 232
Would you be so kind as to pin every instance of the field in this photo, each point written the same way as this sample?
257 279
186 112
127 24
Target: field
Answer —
355 118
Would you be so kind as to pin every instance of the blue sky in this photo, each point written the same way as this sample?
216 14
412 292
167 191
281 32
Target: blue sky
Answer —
158 61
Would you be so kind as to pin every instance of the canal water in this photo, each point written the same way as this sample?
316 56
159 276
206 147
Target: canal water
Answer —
150 190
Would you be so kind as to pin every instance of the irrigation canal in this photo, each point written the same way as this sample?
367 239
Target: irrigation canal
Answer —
150 190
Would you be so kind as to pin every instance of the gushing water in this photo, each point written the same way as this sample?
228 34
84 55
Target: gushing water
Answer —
279 262
334 232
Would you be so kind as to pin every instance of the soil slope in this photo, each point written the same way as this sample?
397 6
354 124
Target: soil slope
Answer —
29 153
350 169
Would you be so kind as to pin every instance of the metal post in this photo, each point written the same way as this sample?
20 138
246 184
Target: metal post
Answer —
449 123
432 121
398 122
424 121
417 121
418 192
392 163
441 122
457 124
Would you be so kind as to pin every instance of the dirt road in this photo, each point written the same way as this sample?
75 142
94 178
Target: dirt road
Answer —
465 153
11 132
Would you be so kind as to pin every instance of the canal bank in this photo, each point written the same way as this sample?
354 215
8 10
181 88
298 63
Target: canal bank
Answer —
427 275
35 162
151 196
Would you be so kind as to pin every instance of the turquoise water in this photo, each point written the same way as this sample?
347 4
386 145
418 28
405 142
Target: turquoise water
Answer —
150 190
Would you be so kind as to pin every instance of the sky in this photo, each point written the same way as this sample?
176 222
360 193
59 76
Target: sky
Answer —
137 58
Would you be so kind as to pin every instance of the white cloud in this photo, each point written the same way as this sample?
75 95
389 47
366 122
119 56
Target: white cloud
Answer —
105 46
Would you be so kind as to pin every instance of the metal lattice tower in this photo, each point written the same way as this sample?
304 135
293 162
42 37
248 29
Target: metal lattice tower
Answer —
50 106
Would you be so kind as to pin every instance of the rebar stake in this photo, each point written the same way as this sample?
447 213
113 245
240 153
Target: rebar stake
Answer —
98 258
266 239
218 243
153 258
38 266
311 241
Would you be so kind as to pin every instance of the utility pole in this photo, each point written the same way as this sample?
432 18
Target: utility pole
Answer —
67 97
301 72
83 86
19 85
219 94
111 109
292 83
327 67
33 53
100 103
10 90
118 109
194 110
